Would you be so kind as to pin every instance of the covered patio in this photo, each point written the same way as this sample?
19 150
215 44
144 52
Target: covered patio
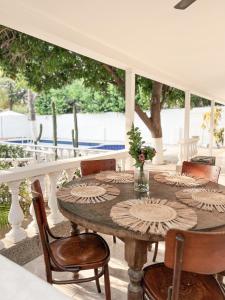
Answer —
180 48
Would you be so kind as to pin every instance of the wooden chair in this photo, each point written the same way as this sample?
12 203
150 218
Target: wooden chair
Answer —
71 254
89 167
200 170
191 259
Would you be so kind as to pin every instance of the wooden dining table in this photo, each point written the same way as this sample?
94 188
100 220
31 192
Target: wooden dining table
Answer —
96 217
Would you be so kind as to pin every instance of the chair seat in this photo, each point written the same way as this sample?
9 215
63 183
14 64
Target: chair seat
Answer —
158 278
81 250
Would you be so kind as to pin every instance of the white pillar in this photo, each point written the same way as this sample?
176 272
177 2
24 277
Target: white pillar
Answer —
130 103
211 128
16 216
1 245
187 122
55 216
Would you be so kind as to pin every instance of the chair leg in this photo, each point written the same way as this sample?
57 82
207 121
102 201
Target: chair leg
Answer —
107 283
114 239
155 252
49 276
97 281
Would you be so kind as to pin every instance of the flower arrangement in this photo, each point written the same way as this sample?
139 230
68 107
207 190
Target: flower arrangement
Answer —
138 150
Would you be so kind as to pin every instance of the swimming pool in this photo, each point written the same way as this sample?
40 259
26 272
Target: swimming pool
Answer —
87 145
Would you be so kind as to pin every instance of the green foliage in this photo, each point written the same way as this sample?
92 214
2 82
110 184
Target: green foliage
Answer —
7 151
218 133
5 196
219 136
11 93
137 149
87 99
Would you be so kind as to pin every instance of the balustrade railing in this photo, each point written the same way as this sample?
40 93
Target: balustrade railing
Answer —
48 174
187 149
48 151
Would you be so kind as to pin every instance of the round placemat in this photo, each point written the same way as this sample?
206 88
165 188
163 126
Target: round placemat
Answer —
204 199
180 180
115 177
150 215
88 193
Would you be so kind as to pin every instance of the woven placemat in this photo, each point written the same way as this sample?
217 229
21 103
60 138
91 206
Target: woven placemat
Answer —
88 193
151 215
205 199
115 177
180 180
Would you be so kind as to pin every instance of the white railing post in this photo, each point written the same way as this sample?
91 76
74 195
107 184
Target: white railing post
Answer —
16 216
55 216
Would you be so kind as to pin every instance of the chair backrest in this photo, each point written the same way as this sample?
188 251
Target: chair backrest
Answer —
39 209
200 170
89 167
197 252
204 252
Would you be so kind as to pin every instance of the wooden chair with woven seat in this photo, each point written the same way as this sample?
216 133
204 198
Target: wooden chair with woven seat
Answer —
191 259
89 167
202 171
84 251
197 170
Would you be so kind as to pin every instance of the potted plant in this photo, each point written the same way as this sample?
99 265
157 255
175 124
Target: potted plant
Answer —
140 153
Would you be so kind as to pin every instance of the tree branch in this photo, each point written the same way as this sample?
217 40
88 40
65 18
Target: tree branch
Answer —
119 81
143 116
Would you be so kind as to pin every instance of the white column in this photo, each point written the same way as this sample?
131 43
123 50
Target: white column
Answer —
187 122
16 216
130 103
55 216
1 245
211 128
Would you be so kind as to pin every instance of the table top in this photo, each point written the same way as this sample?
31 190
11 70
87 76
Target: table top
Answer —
96 216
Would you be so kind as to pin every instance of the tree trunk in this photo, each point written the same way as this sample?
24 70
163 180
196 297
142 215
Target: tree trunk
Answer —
154 121
32 114
10 104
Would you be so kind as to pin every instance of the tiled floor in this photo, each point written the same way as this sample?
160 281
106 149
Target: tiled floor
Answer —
87 291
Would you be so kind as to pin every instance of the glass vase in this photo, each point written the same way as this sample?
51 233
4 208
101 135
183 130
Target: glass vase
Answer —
141 180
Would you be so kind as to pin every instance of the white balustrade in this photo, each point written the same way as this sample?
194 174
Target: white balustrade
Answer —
55 216
187 149
46 171
16 216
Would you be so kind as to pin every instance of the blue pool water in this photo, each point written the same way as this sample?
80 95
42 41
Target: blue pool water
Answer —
81 144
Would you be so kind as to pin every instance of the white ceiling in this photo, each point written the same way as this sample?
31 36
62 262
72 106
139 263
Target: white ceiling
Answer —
183 48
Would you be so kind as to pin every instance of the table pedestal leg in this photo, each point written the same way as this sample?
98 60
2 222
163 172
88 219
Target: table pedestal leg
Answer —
136 257
74 231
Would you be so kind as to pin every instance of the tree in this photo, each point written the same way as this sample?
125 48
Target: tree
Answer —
13 92
87 99
45 66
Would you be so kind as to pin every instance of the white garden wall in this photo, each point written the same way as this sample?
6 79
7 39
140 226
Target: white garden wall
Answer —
13 125
110 127
107 127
